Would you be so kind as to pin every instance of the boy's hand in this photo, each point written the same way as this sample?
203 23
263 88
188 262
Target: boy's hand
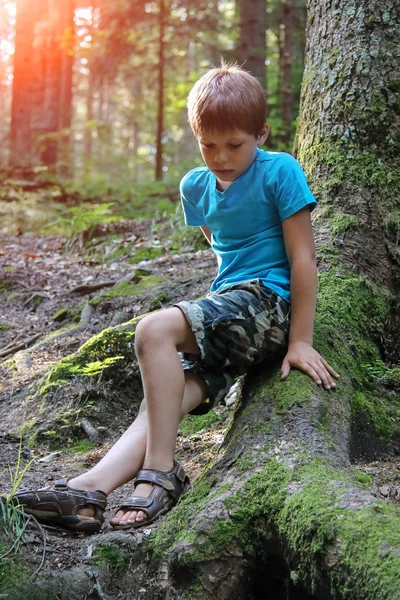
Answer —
303 356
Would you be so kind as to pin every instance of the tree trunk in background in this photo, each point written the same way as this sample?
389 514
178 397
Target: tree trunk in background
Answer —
88 136
42 96
251 47
23 85
287 60
53 58
160 111
65 110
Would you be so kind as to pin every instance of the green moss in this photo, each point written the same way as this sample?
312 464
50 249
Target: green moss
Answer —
146 254
60 315
391 222
193 423
340 223
132 289
379 412
4 286
328 252
5 327
245 464
393 85
111 558
176 526
363 478
313 515
27 427
81 447
325 419
350 315
159 300
297 388
110 348
348 166
332 57
118 253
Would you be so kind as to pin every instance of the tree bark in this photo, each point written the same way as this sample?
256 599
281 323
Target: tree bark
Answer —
252 46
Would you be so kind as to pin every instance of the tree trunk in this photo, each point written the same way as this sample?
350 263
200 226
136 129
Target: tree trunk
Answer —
251 47
160 111
23 84
42 97
88 139
287 63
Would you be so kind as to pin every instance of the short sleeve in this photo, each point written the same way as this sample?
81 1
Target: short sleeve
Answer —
192 213
291 190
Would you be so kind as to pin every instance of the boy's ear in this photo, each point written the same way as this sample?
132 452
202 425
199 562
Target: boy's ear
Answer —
264 133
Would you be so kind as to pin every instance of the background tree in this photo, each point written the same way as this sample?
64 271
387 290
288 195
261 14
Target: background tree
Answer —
251 46
41 107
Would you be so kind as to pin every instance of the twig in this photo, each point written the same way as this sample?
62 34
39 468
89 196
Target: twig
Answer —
87 289
44 547
21 346
92 433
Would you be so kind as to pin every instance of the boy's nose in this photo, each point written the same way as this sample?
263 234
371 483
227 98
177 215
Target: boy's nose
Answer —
220 157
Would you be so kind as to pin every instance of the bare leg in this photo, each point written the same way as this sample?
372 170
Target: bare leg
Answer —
158 340
172 395
125 458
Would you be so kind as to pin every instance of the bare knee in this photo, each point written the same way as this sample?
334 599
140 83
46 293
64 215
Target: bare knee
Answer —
167 326
150 331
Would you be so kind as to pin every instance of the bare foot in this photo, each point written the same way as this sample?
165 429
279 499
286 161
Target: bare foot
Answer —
123 517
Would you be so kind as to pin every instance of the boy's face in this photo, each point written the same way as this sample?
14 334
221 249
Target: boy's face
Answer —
228 155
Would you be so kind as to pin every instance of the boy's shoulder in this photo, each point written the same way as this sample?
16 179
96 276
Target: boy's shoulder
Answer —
199 176
278 166
278 158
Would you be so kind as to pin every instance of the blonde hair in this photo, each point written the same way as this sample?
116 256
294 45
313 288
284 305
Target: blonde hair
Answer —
227 98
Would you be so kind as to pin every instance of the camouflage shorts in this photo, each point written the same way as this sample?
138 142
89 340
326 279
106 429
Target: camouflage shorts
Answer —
234 329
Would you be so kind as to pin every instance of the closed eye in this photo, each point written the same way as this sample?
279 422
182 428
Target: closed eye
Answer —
235 145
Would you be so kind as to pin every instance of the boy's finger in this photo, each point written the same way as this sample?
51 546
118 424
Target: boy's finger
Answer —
285 370
329 368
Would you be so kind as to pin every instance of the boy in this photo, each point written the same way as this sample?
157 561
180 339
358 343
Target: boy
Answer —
254 208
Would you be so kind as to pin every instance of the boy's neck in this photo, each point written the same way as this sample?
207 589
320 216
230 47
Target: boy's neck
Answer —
223 185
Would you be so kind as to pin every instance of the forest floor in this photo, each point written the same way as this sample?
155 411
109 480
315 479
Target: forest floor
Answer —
50 285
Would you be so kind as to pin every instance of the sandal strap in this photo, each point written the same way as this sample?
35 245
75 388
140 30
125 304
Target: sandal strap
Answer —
136 502
174 481
83 497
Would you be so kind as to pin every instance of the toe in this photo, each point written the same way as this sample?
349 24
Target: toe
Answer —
116 519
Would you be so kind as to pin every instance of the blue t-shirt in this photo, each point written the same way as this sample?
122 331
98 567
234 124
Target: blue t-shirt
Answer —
246 219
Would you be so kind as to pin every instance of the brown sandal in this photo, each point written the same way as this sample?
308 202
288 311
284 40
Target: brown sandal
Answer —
60 504
167 488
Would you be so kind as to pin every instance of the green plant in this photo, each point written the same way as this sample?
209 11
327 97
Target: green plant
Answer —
380 372
13 519
83 218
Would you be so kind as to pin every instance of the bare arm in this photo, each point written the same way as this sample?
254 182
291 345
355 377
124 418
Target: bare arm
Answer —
299 243
207 232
